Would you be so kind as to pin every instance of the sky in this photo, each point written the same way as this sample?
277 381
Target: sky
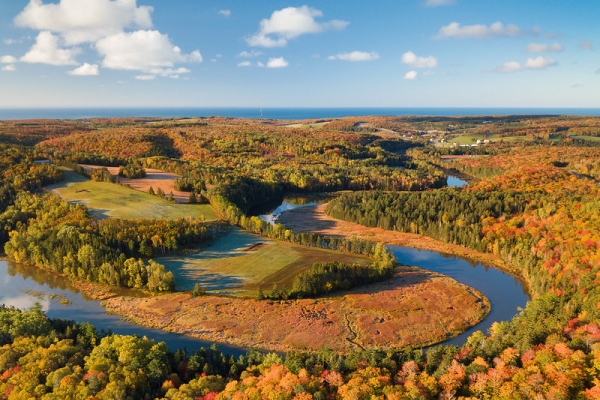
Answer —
235 53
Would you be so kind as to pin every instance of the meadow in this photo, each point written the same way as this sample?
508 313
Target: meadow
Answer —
105 200
241 263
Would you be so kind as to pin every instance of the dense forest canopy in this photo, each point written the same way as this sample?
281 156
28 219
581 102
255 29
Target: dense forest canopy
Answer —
535 205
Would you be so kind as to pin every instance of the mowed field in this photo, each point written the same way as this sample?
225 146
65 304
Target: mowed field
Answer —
154 179
240 263
472 139
106 200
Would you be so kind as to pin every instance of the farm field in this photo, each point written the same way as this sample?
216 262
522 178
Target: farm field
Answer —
472 139
240 263
105 200
155 178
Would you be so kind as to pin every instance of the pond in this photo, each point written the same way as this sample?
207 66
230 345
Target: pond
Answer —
453 181
270 212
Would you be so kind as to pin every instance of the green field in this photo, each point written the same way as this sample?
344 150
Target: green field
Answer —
105 200
240 263
588 138
472 139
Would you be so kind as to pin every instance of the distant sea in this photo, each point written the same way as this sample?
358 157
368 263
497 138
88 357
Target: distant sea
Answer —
279 113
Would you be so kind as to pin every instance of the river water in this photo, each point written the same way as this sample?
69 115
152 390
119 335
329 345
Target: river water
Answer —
23 286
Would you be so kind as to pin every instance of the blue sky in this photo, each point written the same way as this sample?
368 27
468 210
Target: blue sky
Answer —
385 53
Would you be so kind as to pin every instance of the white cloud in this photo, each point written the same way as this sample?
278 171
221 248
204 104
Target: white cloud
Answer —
9 68
277 63
80 21
244 64
259 64
225 13
289 23
145 77
544 48
480 31
10 42
85 70
253 53
355 56
169 72
8 60
531 63
410 58
410 75
436 3
46 51
141 51
586 45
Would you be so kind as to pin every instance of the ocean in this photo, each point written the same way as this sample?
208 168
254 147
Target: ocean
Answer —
278 113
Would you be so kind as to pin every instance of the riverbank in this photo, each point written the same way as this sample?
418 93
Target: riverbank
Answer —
315 220
416 308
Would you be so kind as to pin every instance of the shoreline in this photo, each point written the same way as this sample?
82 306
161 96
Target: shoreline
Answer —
314 219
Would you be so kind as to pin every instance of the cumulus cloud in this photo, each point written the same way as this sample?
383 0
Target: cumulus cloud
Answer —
244 64
436 3
9 68
586 45
80 21
8 60
85 70
289 23
46 51
225 13
355 56
531 63
147 51
102 24
410 58
480 31
410 75
544 48
277 63
259 64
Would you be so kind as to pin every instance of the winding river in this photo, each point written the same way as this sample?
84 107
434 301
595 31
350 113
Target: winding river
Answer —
23 286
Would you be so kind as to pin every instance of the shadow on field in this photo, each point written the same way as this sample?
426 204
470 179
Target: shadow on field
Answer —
305 220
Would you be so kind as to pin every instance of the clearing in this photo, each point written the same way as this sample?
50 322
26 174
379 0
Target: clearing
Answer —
240 263
109 200
155 178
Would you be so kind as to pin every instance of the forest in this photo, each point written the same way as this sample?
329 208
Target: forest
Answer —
535 204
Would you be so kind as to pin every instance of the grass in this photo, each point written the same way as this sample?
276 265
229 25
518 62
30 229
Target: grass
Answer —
318 125
589 138
105 200
247 262
472 139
